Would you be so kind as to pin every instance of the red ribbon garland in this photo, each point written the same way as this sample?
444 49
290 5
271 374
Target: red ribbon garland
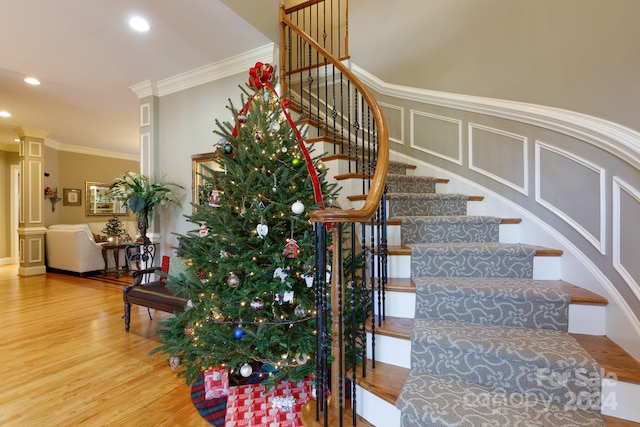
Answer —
260 76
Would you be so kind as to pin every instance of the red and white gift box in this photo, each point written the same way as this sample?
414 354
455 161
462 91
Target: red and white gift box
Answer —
253 405
216 383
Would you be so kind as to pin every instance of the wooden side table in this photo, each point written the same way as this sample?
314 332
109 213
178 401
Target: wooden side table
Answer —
115 248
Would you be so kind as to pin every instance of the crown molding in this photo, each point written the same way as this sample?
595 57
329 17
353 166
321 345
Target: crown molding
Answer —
616 139
51 143
207 73
11 147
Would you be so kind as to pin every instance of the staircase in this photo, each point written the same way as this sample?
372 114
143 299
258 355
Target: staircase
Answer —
470 326
472 335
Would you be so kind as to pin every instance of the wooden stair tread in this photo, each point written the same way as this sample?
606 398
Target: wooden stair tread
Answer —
578 295
613 358
397 284
385 381
540 251
618 422
396 327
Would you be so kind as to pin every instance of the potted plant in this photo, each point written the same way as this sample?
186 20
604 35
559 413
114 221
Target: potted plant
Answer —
142 196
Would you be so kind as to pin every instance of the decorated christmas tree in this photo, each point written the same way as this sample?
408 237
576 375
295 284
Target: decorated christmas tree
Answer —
250 257
113 227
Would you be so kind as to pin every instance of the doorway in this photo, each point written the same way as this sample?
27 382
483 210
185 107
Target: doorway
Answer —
14 205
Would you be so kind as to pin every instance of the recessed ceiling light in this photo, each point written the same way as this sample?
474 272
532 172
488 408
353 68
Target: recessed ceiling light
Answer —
139 24
5 114
16 140
32 81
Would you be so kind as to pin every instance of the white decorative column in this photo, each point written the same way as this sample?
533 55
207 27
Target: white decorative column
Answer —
31 229
149 100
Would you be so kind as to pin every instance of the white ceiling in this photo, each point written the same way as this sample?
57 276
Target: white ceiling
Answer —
87 58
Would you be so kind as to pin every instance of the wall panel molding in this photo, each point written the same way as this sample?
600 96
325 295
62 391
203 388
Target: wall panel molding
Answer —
620 186
599 241
614 138
414 114
525 158
394 109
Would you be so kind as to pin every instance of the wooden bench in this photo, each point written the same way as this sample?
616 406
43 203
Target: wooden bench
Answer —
153 294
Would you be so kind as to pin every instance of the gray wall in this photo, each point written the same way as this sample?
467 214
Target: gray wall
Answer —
186 124
579 55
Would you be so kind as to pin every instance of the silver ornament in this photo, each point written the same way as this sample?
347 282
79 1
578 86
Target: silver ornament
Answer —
246 370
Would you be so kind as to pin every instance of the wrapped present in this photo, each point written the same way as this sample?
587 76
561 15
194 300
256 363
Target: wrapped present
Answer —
257 405
216 383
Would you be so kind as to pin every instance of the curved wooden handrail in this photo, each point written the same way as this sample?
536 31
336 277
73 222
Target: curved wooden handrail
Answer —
372 201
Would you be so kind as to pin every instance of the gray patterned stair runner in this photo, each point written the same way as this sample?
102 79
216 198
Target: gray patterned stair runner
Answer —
489 344
525 303
453 229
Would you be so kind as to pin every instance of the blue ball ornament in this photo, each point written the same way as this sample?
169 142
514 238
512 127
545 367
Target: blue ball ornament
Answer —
238 333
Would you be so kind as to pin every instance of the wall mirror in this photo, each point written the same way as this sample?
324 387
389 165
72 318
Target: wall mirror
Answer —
99 202
201 164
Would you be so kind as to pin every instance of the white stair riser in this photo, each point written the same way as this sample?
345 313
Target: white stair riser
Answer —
547 268
544 268
400 304
620 399
391 350
587 319
375 410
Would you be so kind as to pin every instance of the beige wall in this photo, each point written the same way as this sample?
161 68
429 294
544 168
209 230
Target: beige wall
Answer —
579 55
72 170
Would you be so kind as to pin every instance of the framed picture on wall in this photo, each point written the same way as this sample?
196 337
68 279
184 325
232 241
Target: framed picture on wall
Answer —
71 197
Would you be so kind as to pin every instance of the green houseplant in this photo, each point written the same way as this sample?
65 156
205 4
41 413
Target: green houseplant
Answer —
142 195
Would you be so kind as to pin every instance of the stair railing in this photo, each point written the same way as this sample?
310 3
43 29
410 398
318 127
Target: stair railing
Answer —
322 89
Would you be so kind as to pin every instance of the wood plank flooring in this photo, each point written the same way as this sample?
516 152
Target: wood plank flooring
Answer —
67 360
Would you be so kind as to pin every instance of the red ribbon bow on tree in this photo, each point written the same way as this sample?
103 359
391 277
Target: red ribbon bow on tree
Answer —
260 75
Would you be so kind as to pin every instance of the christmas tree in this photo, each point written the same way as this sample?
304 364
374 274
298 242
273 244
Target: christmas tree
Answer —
113 227
250 257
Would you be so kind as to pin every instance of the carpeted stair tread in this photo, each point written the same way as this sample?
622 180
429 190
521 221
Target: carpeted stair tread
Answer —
426 204
543 346
361 197
434 400
491 259
398 220
577 294
449 228
549 364
399 183
498 301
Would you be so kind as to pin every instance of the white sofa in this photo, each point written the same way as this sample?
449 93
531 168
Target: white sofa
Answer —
72 247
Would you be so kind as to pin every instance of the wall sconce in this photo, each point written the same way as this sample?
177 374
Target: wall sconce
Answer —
52 195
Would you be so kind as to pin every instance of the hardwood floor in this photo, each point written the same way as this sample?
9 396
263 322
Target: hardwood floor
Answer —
67 360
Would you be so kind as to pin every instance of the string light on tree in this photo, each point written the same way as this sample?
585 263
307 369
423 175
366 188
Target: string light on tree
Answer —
253 306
